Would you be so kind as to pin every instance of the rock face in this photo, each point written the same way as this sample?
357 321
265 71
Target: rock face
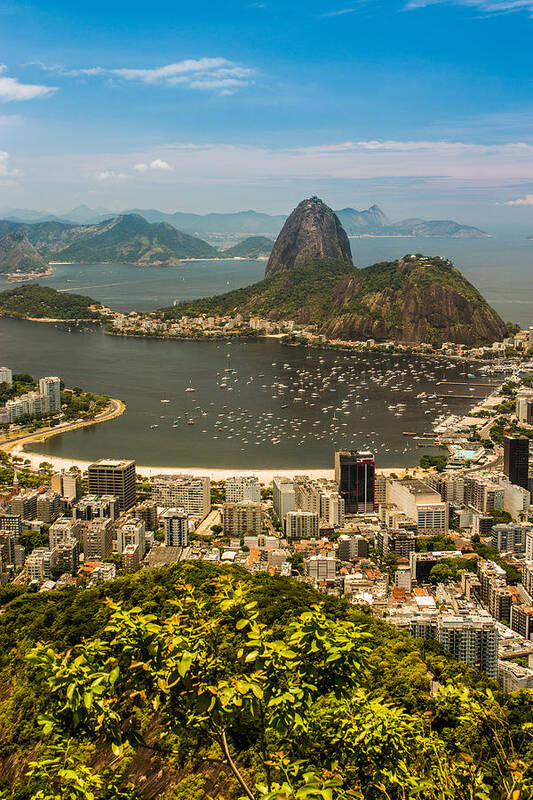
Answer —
312 232
17 254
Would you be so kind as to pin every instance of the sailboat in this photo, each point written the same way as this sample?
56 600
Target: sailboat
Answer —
190 388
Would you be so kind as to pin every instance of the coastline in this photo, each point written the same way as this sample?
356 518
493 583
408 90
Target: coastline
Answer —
16 446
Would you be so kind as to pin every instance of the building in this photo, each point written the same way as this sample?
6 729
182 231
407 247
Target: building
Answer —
300 525
419 502
524 406
527 576
131 531
490 574
7 548
349 547
176 524
510 537
355 478
39 564
6 375
147 511
63 530
131 558
513 677
50 391
471 638
94 507
243 489
48 506
483 493
67 484
283 496
108 476
11 523
401 543
516 460
67 556
240 519
192 494
522 620
402 578
97 538
500 602
24 505
320 568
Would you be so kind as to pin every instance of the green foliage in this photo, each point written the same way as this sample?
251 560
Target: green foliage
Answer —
500 516
438 461
251 247
487 551
298 695
437 542
43 302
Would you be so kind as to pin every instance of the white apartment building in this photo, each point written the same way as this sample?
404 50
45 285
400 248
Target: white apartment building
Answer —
131 532
301 525
320 568
64 529
39 563
283 496
191 493
6 375
421 503
50 389
176 523
243 489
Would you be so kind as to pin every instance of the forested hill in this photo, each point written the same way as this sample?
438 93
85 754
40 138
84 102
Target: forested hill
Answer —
197 681
414 299
43 302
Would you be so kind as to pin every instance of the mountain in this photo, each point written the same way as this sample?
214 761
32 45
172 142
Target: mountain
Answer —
371 221
252 247
43 302
251 222
127 238
17 254
312 232
415 299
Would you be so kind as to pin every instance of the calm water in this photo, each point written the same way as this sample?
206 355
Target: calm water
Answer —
257 418
255 405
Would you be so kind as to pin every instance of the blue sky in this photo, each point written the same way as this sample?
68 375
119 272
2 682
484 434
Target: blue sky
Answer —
422 106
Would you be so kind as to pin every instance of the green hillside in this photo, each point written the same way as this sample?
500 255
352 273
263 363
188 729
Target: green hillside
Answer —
252 247
194 681
415 299
42 302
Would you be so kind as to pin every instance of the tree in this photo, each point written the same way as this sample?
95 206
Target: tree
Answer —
440 573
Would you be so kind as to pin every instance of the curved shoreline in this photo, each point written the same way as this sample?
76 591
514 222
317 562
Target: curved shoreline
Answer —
15 446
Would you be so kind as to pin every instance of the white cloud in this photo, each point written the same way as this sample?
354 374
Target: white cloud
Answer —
12 89
486 6
520 201
340 13
193 73
157 164
110 175
5 169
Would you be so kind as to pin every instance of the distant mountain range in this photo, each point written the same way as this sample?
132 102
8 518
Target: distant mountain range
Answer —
369 222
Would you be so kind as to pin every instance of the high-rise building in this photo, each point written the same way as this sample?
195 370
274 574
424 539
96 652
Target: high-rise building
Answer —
39 564
6 375
401 542
176 523
131 532
242 518
93 507
64 529
320 568
12 523
192 493
67 484
283 496
351 547
98 538
117 477
7 548
24 504
67 556
300 525
50 390
48 506
471 638
355 476
522 620
131 558
516 460
420 503
243 489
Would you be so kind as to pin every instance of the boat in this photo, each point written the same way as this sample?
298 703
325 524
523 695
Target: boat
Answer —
154 426
190 388
190 422
165 401
408 433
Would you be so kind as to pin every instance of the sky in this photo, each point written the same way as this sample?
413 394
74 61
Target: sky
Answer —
422 106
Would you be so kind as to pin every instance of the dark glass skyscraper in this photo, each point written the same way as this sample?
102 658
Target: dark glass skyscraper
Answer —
516 460
354 474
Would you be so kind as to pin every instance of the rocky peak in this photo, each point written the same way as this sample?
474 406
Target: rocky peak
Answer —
312 232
